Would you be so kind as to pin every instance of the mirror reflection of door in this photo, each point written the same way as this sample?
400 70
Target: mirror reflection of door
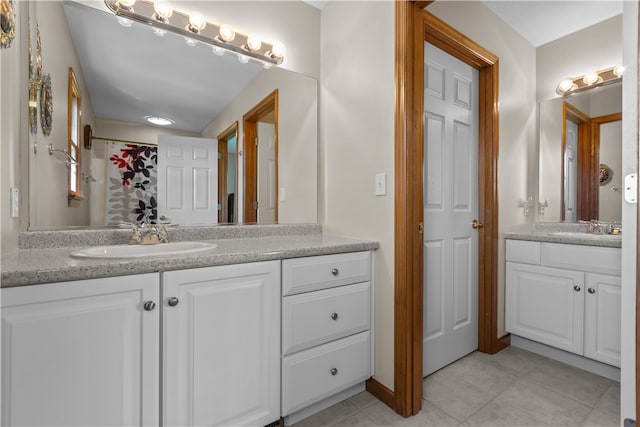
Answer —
227 174
610 153
260 144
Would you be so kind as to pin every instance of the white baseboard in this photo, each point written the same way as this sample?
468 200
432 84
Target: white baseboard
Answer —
590 365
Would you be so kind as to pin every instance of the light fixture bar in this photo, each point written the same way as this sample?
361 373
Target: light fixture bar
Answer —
143 11
604 77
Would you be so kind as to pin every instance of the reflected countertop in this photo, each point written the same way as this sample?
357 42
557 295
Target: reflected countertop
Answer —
54 264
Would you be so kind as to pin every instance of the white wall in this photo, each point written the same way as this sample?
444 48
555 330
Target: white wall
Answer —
297 139
629 211
517 164
357 124
48 207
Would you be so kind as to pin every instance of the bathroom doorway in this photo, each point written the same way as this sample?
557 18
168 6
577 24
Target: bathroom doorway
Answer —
228 174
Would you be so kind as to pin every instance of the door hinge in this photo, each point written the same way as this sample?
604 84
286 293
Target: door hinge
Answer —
255 204
420 228
256 141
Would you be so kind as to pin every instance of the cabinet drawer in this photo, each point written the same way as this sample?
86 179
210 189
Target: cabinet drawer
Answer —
325 271
314 318
312 375
523 251
592 259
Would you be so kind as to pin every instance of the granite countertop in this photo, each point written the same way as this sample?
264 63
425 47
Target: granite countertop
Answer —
573 234
54 264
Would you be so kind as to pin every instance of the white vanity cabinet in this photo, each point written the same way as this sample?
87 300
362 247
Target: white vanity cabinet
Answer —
87 353
565 296
81 353
326 327
221 345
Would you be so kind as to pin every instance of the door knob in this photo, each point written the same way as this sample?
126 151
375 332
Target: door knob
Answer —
149 305
591 291
576 288
173 301
476 224
334 371
334 316
335 271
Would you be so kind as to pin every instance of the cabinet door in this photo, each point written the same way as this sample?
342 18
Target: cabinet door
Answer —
221 346
545 305
602 318
82 353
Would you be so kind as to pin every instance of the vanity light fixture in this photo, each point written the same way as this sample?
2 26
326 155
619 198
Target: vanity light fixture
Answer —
196 28
591 80
160 121
190 42
243 58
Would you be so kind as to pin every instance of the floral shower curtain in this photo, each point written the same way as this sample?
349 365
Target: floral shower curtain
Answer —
132 184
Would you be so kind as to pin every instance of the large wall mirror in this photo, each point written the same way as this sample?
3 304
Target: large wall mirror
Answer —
580 173
131 73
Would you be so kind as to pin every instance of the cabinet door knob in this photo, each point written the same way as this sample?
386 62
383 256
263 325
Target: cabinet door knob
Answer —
335 272
334 316
576 288
591 291
149 305
334 371
173 301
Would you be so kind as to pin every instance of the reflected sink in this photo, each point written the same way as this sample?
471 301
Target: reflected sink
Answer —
140 251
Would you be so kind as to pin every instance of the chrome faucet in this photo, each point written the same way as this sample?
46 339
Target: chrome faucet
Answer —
146 234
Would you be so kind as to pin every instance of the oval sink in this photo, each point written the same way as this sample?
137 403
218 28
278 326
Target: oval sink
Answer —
139 251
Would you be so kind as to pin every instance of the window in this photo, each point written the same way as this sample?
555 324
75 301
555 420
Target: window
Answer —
73 142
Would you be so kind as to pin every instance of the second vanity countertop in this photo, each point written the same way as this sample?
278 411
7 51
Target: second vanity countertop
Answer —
573 234
54 264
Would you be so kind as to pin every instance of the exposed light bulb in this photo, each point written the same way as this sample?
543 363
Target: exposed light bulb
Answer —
243 58
226 33
266 65
619 70
125 22
591 78
197 22
565 86
163 11
190 42
158 32
219 51
126 4
278 50
253 43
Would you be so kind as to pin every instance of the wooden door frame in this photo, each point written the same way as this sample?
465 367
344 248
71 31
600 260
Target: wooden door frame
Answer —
250 131
413 26
223 141
570 112
593 162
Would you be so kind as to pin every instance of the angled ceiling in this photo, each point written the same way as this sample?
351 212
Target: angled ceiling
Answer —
131 73
541 22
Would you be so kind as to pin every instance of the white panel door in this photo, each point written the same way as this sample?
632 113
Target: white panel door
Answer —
450 205
82 353
221 346
571 173
545 305
602 318
188 179
267 192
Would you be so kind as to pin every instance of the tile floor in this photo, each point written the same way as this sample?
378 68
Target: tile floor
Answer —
511 388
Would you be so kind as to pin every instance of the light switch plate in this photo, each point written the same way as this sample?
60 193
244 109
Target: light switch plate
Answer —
15 203
631 188
381 184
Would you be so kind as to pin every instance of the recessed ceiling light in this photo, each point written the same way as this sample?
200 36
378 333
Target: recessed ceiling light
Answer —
160 121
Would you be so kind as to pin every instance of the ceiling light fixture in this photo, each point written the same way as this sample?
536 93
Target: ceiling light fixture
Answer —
195 26
160 121
572 85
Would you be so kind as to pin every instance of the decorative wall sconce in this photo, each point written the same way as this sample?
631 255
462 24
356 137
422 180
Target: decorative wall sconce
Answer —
604 77
195 28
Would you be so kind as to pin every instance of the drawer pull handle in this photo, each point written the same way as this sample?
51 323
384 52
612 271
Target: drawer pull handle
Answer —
576 288
149 305
335 272
173 301
591 291
334 316
334 371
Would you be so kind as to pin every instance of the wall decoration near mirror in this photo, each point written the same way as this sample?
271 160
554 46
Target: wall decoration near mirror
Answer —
606 174
7 22
46 105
